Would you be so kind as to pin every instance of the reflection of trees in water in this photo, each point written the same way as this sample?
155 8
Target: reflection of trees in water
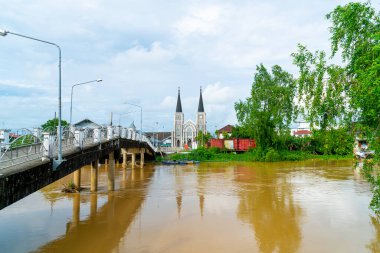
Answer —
374 245
266 202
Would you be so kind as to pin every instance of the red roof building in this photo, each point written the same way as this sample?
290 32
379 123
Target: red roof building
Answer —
226 129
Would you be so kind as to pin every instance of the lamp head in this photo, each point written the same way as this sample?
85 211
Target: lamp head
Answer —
99 80
3 32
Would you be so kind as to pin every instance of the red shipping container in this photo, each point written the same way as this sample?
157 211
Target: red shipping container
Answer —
244 144
219 143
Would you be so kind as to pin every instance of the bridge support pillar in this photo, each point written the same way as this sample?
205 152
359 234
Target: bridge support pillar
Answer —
77 178
94 175
111 172
142 152
133 160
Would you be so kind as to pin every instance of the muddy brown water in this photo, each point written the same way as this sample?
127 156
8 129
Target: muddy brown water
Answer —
313 206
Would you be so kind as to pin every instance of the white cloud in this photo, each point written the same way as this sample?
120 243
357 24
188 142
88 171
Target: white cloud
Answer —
144 51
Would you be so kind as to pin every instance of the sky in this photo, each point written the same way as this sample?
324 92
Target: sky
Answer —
143 51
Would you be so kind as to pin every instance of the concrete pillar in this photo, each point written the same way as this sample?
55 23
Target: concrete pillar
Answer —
111 172
94 176
37 133
124 133
97 135
77 178
109 132
133 160
142 152
48 145
79 138
117 132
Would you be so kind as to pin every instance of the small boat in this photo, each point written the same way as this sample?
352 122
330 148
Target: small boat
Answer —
170 162
184 162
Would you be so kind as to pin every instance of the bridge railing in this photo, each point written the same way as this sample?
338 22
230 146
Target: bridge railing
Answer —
26 145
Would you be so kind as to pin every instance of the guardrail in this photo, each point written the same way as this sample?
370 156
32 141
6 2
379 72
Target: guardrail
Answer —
28 145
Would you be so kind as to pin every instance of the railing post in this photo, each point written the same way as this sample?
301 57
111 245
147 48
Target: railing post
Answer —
97 135
37 133
4 137
79 137
48 145
117 132
124 133
109 132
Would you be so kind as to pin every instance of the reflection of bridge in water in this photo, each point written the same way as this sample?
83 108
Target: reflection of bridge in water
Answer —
104 228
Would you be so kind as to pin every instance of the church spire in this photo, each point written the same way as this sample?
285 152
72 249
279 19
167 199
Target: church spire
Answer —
200 105
179 105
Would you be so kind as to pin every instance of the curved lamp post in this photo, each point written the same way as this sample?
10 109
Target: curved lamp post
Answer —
72 91
57 162
140 118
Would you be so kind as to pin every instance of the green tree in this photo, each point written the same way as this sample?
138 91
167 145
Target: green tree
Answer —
321 90
355 32
267 113
202 138
52 124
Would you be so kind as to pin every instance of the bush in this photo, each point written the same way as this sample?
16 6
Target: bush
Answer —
272 156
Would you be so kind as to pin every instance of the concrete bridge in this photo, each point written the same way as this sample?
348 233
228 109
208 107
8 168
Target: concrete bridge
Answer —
26 164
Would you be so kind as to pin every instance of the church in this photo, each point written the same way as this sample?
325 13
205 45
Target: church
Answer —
184 133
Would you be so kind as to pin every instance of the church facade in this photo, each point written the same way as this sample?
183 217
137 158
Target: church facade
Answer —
184 133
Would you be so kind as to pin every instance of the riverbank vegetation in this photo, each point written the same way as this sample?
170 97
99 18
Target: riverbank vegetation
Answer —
340 101
253 155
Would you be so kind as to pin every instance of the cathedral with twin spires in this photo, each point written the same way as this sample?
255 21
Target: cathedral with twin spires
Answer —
184 133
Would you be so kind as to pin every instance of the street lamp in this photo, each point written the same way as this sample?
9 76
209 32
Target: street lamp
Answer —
140 118
72 91
57 162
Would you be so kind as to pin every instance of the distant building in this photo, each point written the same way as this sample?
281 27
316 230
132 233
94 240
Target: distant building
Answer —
184 133
226 129
86 123
300 129
301 133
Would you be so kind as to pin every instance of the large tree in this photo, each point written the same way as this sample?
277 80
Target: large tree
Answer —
355 32
322 90
268 111
52 124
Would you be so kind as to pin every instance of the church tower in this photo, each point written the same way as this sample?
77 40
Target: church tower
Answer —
177 134
201 115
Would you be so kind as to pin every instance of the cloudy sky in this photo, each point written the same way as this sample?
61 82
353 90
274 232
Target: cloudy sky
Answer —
144 50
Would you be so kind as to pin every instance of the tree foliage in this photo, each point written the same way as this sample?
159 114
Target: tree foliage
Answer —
355 32
267 113
202 138
52 124
322 89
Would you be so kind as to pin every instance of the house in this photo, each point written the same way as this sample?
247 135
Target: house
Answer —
224 130
300 128
301 133
86 123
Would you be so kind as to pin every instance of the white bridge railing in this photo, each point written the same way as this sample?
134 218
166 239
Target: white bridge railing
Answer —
24 146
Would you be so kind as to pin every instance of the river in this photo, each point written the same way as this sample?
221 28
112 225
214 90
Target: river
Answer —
313 206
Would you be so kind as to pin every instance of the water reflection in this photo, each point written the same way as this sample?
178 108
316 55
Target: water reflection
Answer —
102 230
313 206
266 202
